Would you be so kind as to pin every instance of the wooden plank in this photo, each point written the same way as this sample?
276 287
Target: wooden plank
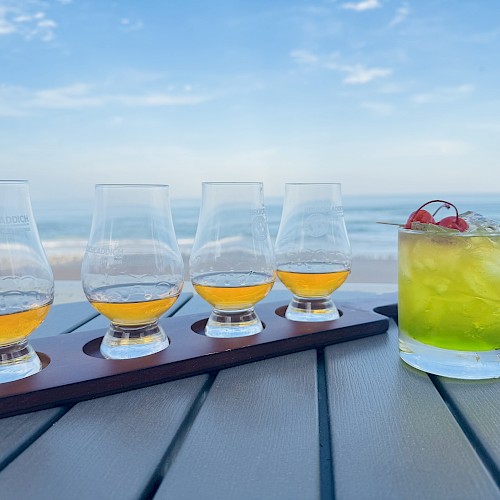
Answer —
392 436
105 448
476 404
256 436
18 432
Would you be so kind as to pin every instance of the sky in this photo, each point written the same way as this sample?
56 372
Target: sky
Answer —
383 96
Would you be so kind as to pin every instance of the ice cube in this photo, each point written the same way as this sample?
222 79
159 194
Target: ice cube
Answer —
480 224
431 228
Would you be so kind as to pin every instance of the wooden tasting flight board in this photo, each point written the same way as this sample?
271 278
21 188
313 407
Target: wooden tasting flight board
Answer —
74 369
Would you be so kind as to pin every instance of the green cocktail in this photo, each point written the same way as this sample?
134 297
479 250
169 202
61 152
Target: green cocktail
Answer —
449 302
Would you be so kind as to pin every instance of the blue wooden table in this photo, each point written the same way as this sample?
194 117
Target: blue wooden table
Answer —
348 421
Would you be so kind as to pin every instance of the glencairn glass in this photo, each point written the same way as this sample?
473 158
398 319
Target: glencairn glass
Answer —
312 249
132 271
232 261
26 282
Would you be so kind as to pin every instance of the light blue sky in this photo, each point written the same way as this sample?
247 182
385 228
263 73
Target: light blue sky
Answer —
384 96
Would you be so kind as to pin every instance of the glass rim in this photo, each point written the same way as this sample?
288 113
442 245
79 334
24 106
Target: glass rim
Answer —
446 234
98 186
313 184
13 181
230 183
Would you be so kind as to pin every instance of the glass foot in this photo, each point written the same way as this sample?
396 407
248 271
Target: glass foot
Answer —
18 361
468 365
230 324
125 343
312 310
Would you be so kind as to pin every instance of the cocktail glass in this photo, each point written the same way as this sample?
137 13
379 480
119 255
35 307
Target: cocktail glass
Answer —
312 248
232 261
449 303
26 282
132 271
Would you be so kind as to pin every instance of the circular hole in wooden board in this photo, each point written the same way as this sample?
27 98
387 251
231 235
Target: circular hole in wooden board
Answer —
44 359
199 328
282 310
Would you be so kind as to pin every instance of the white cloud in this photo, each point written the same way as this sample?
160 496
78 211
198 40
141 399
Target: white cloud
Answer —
130 25
7 27
158 99
446 94
464 89
445 147
354 74
358 74
449 148
401 14
70 97
21 20
362 6
304 57
18 101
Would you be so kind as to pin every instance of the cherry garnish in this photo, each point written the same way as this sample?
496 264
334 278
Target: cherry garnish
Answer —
454 222
423 216
419 216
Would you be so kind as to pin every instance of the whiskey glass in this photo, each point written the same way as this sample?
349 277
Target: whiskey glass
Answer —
132 270
26 282
313 252
232 262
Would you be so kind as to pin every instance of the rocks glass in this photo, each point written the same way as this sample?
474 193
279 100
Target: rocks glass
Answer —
448 304
132 271
232 262
312 249
26 282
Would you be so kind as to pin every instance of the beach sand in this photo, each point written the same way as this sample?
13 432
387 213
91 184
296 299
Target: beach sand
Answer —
68 287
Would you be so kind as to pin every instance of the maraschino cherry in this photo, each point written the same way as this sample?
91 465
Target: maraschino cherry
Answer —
420 215
454 222
425 217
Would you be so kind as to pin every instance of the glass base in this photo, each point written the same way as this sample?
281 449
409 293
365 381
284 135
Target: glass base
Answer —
311 310
468 365
18 361
133 342
230 324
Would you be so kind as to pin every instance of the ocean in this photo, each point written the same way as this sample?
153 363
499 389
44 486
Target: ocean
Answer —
64 229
